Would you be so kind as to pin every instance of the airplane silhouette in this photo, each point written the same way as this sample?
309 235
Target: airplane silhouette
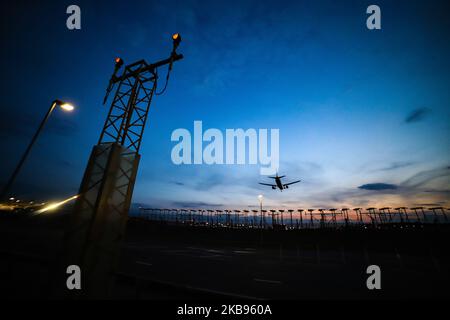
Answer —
278 184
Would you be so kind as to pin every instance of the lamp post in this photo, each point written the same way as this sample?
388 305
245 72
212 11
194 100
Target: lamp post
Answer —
64 106
261 198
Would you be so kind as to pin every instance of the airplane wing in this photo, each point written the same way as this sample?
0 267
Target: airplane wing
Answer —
288 184
266 184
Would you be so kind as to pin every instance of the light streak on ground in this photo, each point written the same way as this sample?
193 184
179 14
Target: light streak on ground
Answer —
6 207
53 206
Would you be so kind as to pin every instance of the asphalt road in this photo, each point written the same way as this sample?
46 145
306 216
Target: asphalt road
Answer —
164 263
280 273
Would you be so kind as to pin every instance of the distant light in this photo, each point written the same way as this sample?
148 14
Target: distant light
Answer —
17 201
53 206
260 197
176 41
12 199
64 105
67 107
119 63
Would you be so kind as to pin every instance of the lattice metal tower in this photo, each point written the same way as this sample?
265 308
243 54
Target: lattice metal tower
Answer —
98 222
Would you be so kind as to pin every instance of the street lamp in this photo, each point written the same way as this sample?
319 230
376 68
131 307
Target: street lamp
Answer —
67 107
261 198
57 103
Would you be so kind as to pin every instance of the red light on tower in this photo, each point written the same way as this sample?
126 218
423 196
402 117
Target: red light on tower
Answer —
176 40
119 62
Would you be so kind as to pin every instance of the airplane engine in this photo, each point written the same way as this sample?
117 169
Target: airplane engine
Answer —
273 188
286 187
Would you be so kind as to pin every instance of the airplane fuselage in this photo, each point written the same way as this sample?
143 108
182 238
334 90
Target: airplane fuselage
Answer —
279 184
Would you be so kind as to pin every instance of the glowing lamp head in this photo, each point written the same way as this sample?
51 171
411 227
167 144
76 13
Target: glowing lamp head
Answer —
119 62
67 107
260 197
64 105
176 40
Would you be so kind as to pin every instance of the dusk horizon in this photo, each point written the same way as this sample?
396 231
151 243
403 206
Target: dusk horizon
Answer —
225 159
356 111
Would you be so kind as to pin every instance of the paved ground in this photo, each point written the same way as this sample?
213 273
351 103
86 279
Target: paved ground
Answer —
171 263
280 273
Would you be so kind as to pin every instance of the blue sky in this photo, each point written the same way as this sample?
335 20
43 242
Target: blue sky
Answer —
363 115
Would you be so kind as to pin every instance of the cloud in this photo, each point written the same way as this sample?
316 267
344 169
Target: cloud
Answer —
417 115
424 177
195 204
378 186
395 166
428 204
